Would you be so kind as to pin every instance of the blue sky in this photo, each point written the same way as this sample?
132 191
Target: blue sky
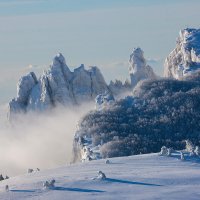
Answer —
16 7
94 32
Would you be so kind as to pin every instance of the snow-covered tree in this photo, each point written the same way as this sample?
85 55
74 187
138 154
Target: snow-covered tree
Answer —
197 151
169 152
182 156
164 151
189 146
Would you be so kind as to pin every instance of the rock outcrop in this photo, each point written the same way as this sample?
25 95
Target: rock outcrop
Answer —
139 70
184 60
57 86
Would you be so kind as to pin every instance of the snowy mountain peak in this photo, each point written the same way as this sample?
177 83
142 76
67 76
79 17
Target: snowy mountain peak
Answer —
185 58
59 60
137 60
24 86
138 69
57 86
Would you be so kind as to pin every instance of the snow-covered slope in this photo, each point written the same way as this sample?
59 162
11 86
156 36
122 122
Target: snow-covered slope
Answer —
185 58
136 177
57 85
139 70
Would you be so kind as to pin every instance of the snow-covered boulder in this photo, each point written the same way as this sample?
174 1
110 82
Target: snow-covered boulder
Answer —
57 86
139 70
185 58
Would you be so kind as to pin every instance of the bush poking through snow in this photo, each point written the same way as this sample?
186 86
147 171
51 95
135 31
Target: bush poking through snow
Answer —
7 177
7 188
182 156
30 171
49 185
1 177
107 162
101 175
163 151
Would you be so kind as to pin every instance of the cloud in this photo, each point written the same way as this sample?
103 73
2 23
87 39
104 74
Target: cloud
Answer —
39 140
117 64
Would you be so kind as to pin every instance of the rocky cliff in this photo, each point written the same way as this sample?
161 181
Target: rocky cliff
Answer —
57 86
184 60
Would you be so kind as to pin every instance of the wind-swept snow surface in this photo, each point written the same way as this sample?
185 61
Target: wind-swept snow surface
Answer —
137 177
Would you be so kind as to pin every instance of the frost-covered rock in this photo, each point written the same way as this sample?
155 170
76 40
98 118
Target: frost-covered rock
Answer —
101 175
86 154
49 184
185 58
139 70
57 86
24 88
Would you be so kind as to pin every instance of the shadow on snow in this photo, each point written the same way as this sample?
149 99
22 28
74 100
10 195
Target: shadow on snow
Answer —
76 189
22 190
130 182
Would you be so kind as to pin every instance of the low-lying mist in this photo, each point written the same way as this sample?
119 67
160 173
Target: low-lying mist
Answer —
38 140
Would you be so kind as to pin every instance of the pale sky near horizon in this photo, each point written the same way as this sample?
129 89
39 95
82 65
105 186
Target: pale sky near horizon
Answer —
92 32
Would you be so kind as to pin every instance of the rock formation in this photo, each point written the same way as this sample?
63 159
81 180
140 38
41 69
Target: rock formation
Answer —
57 86
184 60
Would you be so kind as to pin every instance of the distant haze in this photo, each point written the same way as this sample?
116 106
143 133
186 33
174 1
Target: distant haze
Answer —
39 141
